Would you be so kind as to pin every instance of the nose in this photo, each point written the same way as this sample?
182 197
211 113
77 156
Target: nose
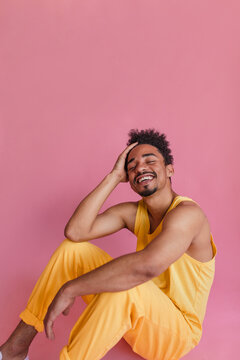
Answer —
140 168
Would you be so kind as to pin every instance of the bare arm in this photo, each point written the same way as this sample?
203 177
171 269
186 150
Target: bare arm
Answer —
180 227
86 223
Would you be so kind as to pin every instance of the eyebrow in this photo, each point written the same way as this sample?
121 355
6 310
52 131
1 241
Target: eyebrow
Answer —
144 155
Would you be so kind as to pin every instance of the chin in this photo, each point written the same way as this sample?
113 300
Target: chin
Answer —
147 192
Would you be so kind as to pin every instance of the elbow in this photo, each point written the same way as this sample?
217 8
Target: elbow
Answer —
151 272
150 268
70 234
67 233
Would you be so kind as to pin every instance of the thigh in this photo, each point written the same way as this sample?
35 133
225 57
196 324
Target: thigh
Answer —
161 333
69 261
81 258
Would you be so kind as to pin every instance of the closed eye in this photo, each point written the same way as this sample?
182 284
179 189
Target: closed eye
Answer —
131 168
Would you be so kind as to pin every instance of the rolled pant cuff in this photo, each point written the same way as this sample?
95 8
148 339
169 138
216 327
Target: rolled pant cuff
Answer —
30 319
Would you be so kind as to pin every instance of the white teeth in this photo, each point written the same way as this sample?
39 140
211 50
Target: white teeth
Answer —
145 178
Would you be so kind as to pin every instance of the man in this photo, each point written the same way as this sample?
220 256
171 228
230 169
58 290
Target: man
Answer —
155 297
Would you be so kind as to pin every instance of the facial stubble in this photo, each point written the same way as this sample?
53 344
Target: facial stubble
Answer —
147 192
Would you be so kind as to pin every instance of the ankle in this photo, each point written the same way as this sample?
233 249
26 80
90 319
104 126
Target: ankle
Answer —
13 352
17 345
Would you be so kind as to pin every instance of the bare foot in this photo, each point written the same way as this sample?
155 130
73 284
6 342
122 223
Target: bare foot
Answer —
16 347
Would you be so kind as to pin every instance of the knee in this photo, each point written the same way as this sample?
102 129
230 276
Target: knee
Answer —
84 250
72 245
68 247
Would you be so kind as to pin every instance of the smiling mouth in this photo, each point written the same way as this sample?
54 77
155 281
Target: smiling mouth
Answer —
144 179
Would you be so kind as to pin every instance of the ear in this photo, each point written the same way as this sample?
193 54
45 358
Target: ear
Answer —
170 170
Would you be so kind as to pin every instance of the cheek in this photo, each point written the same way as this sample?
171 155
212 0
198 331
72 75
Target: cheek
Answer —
131 181
130 177
133 187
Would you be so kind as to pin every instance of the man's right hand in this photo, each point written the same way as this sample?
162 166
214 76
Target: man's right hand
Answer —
119 167
86 223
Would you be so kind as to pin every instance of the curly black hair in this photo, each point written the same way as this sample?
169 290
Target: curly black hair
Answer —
154 138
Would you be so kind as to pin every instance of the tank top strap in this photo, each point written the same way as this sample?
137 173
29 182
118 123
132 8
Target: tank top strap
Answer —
142 223
142 220
177 200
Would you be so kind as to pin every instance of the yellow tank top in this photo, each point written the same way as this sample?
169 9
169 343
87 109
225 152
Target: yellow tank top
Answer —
187 282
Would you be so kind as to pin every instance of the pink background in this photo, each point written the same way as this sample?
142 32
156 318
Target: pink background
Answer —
75 77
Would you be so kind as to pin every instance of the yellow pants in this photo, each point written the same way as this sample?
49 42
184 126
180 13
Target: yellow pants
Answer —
144 315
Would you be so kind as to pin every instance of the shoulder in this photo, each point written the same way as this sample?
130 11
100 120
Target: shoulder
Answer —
187 216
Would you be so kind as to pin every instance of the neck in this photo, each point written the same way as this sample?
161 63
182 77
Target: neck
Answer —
158 203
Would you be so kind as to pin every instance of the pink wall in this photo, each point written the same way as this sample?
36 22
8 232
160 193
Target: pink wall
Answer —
75 77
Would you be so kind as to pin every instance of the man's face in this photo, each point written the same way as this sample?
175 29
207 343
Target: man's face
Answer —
146 170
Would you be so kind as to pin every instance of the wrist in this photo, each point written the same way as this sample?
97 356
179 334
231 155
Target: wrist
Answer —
116 176
69 289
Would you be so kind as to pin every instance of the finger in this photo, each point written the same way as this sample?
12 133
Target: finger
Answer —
49 330
128 148
67 310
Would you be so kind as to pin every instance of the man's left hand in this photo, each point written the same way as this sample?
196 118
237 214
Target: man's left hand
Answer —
62 303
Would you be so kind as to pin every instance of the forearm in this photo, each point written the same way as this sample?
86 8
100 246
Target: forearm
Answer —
86 212
119 274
